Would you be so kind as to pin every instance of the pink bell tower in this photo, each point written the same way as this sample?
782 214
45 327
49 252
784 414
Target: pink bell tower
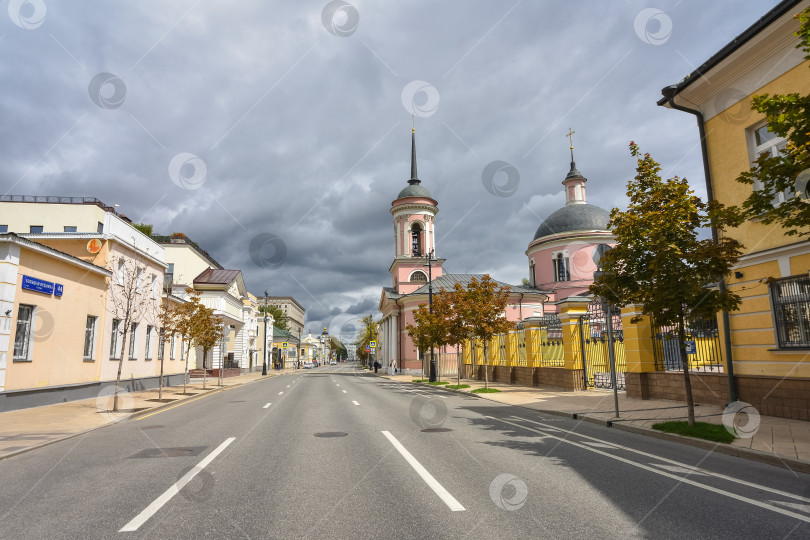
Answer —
414 212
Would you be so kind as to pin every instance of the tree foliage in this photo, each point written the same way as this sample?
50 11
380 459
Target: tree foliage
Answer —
788 116
660 261
365 335
145 228
280 319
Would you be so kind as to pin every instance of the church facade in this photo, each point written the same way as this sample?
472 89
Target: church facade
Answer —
561 264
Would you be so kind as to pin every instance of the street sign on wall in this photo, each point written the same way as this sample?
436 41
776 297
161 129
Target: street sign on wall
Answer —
40 285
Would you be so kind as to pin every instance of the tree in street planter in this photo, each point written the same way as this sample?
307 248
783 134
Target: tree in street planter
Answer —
659 260
482 306
430 329
788 172
186 321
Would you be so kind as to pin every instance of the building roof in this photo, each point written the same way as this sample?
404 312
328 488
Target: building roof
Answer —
447 283
283 334
36 246
283 298
701 71
414 189
574 217
55 199
185 240
216 276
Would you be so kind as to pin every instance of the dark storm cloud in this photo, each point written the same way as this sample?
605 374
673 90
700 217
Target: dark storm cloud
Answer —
303 134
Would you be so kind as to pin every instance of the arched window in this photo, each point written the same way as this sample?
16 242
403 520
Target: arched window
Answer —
532 275
418 276
560 263
416 240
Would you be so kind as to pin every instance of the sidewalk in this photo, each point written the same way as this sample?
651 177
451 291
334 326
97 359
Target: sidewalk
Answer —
25 429
778 441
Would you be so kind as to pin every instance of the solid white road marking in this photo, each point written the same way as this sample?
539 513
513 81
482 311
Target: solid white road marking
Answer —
338 385
345 392
288 386
266 406
695 470
158 503
662 473
437 488
355 403
281 392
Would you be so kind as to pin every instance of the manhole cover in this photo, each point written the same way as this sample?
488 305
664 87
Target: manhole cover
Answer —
168 452
436 430
152 427
331 434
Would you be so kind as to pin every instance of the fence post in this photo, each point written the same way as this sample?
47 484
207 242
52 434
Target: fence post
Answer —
638 350
570 310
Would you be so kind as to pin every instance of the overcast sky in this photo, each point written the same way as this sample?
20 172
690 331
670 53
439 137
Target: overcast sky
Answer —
276 134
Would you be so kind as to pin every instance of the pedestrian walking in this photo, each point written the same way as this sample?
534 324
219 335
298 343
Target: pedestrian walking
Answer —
393 366
376 366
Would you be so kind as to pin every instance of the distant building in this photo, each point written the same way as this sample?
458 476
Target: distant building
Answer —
295 312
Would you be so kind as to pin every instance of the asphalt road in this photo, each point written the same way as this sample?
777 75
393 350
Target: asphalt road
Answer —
397 461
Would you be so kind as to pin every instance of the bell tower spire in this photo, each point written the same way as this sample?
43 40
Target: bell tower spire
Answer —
414 178
574 181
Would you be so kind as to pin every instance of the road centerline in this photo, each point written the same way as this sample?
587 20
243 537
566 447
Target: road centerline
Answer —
355 403
437 488
266 406
167 495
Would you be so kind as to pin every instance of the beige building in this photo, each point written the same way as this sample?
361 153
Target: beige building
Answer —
295 312
52 316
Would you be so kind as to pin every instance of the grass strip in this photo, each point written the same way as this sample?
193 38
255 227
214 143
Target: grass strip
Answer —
457 386
701 430
485 390
437 383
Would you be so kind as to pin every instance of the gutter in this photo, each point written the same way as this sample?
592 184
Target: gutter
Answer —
669 94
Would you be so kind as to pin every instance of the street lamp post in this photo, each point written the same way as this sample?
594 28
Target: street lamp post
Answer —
264 348
432 374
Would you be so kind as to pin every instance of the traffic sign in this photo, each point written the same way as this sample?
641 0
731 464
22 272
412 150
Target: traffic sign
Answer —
372 343
284 345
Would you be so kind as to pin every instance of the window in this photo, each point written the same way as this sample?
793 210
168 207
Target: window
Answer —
22 338
171 349
147 352
3 228
790 298
416 240
36 229
154 286
532 275
161 344
70 228
100 227
138 279
122 270
560 263
182 344
89 338
766 142
116 332
419 276
132 334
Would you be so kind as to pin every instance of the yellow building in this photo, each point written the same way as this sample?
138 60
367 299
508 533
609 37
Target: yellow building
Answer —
52 319
770 334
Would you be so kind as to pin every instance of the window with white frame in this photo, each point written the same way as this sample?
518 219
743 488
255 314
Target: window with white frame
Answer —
133 329
90 338
138 279
122 270
114 338
532 275
154 286
764 141
162 343
22 337
561 272
148 340
182 345
790 299
419 276
171 348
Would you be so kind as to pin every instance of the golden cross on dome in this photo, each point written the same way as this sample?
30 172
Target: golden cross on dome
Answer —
571 141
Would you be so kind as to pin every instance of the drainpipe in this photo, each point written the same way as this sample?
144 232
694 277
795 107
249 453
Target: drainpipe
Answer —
669 94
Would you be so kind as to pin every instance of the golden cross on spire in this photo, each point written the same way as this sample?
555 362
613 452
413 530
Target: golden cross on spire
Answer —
413 123
571 141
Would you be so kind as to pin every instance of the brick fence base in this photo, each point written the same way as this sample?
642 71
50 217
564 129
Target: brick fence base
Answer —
771 396
526 376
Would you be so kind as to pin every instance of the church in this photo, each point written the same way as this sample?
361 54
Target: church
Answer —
561 263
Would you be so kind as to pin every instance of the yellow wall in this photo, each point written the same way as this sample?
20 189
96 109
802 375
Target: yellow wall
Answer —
726 138
58 345
53 217
188 264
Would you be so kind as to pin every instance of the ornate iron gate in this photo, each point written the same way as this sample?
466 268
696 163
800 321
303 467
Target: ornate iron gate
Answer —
594 336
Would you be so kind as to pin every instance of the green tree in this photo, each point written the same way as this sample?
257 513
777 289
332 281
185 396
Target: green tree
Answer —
187 317
280 319
367 333
208 330
145 228
659 260
788 116
430 329
483 307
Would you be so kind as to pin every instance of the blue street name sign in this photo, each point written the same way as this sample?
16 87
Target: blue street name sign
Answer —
40 285
691 347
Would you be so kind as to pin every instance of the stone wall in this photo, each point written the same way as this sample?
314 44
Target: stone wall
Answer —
525 376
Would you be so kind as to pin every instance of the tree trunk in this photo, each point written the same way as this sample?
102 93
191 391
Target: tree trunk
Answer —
205 373
486 367
185 375
120 366
460 353
690 404
160 384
